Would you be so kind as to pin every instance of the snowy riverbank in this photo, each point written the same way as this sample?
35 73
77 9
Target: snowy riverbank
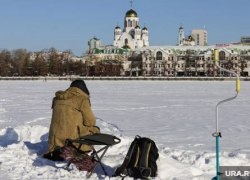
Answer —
125 78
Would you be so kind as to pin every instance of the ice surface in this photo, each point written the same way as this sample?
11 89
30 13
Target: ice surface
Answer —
178 115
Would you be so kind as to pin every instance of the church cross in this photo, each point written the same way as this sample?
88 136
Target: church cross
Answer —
131 3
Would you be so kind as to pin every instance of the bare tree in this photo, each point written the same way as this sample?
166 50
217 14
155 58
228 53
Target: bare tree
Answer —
21 61
55 62
5 63
39 65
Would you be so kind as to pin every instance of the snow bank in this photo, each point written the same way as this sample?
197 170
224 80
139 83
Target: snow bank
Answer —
21 149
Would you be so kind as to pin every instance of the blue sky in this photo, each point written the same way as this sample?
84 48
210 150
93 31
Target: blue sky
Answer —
69 24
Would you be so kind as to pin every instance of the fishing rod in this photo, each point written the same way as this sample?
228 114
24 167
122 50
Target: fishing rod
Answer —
217 133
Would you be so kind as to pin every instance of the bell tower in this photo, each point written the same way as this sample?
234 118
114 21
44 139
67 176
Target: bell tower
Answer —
131 20
181 36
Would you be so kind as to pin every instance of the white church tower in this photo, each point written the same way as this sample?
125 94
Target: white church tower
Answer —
181 36
132 36
145 37
117 33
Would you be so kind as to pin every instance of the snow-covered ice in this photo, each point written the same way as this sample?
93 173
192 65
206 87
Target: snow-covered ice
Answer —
179 116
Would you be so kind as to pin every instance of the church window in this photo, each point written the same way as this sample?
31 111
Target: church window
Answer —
129 23
126 41
134 23
132 33
159 55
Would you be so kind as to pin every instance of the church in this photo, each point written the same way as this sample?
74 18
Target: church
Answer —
132 36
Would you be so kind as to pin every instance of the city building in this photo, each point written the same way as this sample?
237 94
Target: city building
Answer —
94 43
175 61
110 54
98 51
200 37
245 39
191 57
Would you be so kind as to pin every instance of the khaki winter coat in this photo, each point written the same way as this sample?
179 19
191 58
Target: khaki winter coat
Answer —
72 117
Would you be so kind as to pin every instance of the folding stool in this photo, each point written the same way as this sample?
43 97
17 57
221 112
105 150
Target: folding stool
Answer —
105 140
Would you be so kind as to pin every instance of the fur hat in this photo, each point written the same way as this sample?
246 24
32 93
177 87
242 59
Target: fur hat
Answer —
81 85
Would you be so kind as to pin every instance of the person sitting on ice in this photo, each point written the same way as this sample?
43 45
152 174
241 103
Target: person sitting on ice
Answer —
72 117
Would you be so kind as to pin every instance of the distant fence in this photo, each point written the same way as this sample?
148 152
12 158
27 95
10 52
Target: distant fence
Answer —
164 78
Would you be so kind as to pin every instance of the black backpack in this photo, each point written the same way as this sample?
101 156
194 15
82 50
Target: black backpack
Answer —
140 161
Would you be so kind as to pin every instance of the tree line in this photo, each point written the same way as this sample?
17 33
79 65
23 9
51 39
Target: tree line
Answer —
51 62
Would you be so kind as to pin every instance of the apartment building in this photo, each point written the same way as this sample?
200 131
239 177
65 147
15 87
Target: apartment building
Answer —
200 37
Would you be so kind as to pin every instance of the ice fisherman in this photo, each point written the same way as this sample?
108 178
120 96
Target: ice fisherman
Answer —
72 117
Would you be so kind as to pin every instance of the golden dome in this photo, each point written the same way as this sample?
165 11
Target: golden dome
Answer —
131 13
117 27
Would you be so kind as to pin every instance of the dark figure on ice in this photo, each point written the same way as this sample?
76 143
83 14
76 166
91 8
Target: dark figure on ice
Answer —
72 117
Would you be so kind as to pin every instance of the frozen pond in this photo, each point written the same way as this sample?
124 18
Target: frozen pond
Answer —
180 114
